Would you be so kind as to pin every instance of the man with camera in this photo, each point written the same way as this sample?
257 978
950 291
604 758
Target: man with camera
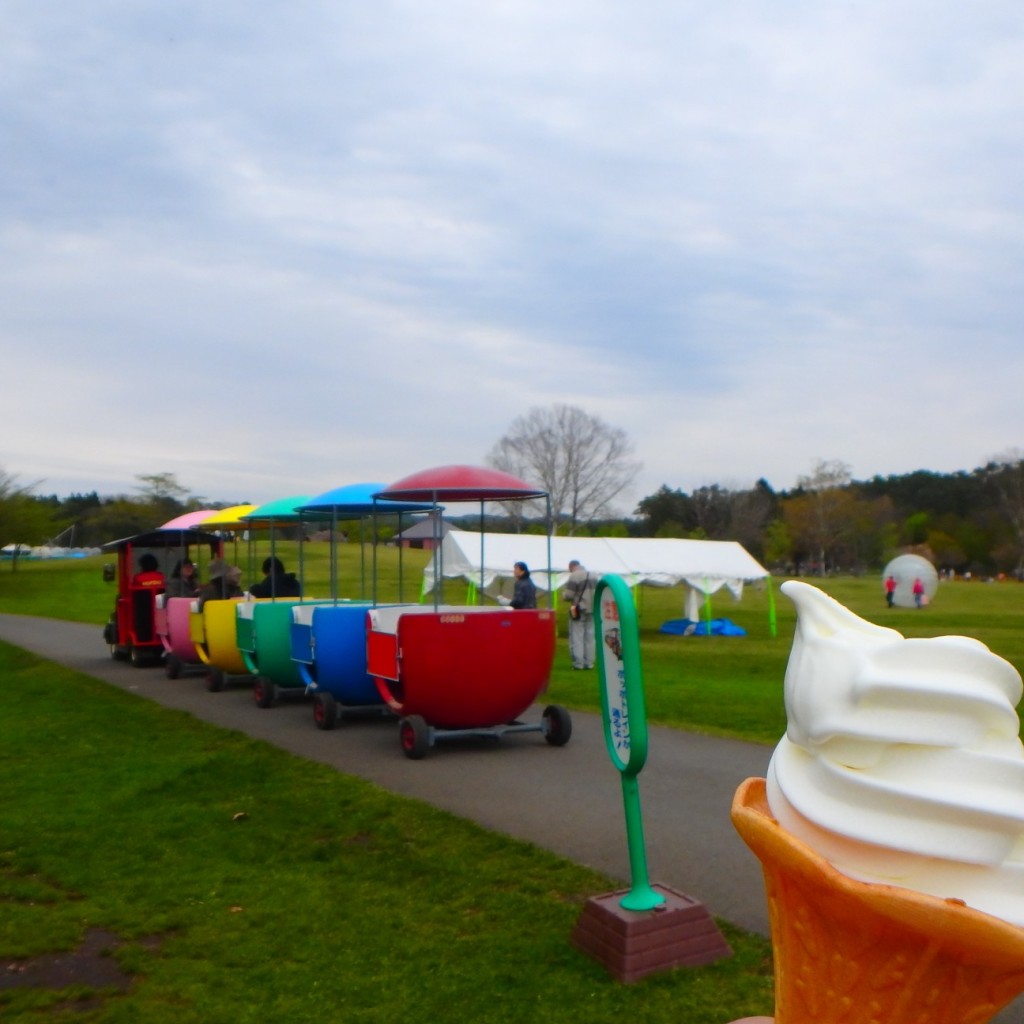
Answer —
579 592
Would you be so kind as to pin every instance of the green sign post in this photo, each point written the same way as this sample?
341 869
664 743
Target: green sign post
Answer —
625 719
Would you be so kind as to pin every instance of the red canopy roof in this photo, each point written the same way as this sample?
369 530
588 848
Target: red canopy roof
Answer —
460 483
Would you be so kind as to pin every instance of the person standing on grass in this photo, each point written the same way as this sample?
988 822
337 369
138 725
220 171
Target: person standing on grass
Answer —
579 592
890 591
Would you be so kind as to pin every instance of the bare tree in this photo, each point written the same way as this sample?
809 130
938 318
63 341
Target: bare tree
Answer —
581 461
163 494
161 487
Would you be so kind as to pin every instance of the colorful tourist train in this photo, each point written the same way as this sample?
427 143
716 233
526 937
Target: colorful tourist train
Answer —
439 670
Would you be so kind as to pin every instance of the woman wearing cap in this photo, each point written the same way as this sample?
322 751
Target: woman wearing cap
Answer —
224 582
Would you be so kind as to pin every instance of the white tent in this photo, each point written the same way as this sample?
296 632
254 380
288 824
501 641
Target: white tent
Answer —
704 566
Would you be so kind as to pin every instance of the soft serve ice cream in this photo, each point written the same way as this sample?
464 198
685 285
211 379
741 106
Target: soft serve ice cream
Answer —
902 762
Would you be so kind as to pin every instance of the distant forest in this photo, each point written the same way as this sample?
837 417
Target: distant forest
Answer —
963 522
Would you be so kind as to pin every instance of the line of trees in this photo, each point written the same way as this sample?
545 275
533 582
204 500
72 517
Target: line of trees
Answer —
88 520
964 521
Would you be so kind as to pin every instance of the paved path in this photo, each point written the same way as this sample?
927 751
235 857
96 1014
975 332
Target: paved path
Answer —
566 799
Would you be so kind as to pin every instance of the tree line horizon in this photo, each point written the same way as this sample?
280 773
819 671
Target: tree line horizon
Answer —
964 521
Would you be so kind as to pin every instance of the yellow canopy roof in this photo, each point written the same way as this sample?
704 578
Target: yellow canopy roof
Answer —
229 518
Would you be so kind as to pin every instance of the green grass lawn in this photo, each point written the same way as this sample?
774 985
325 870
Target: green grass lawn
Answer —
247 884
250 885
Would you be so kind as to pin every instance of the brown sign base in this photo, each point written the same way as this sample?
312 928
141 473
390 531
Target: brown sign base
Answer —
632 944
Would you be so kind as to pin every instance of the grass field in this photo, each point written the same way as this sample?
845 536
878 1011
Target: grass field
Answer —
249 885
718 685
243 884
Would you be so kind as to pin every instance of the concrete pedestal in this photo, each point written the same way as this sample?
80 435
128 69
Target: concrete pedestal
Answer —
632 944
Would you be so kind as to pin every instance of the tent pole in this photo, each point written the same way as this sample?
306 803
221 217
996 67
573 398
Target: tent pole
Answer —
551 583
773 626
332 568
398 542
373 552
438 556
361 523
707 604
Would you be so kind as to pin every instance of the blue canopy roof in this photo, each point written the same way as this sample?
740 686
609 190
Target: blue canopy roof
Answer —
354 500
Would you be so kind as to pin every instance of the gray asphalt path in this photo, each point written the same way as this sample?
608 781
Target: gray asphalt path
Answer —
567 799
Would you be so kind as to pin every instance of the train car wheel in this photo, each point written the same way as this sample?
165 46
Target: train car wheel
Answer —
263 692
214 679
172 666
325 711
140 658
557 724
414 735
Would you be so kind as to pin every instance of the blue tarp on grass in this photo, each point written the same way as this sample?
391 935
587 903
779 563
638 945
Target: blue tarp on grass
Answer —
716 627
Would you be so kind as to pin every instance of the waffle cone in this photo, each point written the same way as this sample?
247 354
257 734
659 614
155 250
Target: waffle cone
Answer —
847 952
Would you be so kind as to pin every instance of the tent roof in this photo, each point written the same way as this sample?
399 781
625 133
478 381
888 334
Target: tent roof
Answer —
705 565
424 529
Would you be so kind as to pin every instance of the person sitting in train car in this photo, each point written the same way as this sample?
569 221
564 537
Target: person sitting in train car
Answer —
184 581
149 574
223 583
276 582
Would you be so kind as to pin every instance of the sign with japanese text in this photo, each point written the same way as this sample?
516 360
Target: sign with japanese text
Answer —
622 694
617 638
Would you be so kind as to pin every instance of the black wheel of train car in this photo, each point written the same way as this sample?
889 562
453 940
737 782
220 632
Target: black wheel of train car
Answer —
264 692
414 735
557 725
325 711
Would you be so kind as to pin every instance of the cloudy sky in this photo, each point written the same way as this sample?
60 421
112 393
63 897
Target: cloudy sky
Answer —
274 248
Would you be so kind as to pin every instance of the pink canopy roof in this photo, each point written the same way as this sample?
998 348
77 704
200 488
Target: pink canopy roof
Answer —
460 483
188 520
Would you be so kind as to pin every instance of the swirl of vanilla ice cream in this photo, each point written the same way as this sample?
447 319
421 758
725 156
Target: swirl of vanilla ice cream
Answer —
902 762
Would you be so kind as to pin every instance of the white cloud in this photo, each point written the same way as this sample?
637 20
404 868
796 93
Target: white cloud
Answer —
275 252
